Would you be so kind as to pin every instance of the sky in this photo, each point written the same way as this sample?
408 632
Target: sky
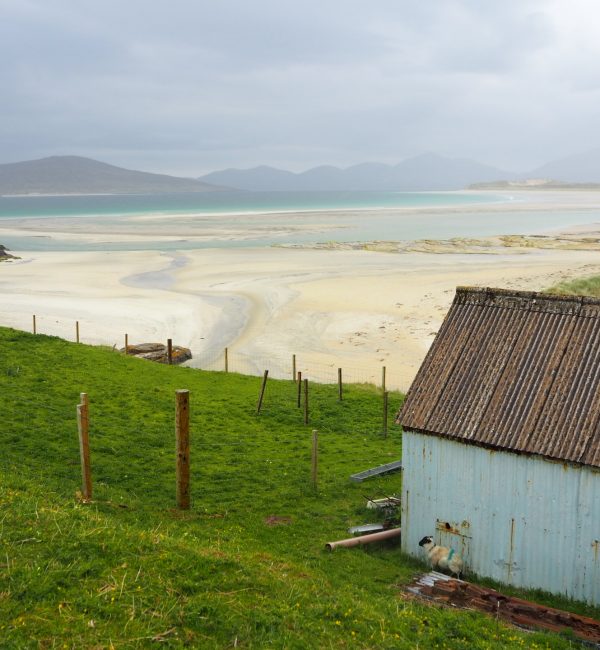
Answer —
186 87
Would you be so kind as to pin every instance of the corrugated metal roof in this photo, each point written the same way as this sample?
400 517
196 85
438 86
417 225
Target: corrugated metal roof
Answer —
514 370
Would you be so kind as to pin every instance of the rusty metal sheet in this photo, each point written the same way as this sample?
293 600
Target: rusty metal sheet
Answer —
436 368
514 370
470 390
574 399
522 613
524 386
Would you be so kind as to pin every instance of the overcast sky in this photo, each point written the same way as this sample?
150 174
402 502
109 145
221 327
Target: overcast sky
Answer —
190 86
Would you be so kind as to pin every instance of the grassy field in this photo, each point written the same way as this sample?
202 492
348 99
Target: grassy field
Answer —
580 286
246 566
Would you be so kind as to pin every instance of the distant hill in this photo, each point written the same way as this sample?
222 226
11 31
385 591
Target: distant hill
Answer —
426 172
579 168
77 175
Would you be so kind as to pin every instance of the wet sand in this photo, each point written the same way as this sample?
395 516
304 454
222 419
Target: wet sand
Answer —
354 309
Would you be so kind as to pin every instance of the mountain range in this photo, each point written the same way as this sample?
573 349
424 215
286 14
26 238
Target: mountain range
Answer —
77 175
425 172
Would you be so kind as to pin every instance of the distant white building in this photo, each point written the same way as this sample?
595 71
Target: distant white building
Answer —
501 444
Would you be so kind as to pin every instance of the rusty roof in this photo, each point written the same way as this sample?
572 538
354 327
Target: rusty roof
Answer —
514 370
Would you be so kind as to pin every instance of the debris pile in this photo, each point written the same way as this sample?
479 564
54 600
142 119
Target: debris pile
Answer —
389 506
158 352
523 613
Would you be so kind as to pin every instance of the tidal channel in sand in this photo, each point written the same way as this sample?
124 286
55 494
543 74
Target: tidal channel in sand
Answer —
355 309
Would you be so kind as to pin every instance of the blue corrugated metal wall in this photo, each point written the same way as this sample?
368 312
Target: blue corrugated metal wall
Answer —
520 520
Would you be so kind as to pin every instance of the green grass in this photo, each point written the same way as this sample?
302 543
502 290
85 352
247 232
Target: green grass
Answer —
129 570
589 286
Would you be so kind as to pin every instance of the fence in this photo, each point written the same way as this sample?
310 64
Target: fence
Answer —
263 448
282 364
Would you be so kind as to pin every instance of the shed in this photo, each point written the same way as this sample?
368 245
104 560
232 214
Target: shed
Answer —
501 444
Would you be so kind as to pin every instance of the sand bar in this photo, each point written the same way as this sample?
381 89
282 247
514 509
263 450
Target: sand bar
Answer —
205 227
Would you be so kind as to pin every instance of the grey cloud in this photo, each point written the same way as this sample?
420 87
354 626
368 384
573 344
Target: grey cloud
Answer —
190 86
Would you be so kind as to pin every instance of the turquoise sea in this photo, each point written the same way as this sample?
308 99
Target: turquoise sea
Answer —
278 217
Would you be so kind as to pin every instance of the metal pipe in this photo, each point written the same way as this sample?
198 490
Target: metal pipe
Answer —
364 539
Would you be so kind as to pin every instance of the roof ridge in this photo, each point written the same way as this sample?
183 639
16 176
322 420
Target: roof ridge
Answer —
486 293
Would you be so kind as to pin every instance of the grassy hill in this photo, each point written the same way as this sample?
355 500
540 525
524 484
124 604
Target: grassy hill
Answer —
246 566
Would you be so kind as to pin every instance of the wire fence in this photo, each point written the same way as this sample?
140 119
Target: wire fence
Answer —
243 449
284 365
281 363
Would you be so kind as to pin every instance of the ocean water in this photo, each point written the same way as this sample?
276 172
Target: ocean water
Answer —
267 218
224 202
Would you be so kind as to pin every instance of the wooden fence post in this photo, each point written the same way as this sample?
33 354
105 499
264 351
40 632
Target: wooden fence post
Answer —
306 401
170 351
226 360
385 413
262 391
182 437
84 446
340 384
383 379
315 457
77 331
294 367
34 325
299 388
126 343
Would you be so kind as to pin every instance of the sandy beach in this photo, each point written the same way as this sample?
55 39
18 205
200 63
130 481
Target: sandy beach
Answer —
356 305
355 309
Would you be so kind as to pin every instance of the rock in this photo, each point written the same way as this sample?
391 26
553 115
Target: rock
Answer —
158 352
5 255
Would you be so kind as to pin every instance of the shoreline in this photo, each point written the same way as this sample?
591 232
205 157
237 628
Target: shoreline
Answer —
355 309
524 199
203 230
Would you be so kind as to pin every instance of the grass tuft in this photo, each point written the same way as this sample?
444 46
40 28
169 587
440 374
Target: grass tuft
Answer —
589 286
